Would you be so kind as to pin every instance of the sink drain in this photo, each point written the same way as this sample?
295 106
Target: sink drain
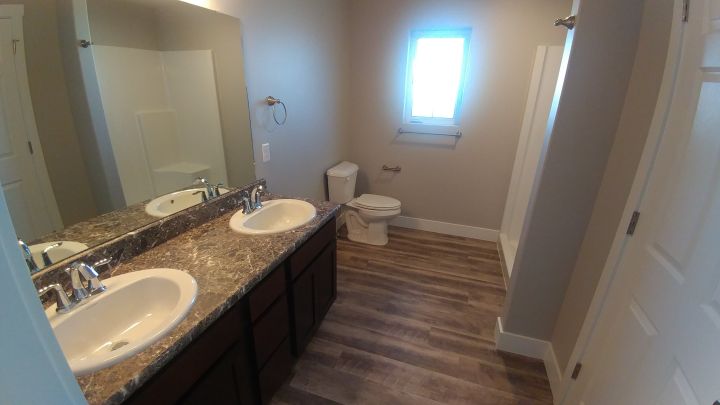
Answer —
118 345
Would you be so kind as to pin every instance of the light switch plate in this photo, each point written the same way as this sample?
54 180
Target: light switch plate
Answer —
266 152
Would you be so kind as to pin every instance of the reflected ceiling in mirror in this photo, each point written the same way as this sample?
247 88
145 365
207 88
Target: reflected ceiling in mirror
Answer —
111 104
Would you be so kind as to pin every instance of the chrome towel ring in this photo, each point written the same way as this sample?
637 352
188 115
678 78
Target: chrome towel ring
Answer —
273 102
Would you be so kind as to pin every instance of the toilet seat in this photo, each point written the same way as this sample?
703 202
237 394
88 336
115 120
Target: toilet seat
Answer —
378 214
372 202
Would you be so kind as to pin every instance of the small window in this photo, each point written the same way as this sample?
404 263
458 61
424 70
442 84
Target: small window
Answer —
437 62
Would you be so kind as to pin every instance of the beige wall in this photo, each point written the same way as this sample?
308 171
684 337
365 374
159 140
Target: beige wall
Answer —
625 155
56 128
467 182
296 51
586 118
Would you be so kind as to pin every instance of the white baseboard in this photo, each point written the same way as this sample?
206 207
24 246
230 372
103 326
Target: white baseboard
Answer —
446 228
534 348
519 344
503 262
554 373
508 251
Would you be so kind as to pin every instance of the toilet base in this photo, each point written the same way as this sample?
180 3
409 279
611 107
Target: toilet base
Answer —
361 231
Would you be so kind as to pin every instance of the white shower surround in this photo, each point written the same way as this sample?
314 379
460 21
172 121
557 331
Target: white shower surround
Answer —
169 91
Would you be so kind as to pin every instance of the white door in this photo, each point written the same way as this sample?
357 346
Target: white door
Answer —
22 173
657 340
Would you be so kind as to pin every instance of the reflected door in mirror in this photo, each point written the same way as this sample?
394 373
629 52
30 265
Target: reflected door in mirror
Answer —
22 170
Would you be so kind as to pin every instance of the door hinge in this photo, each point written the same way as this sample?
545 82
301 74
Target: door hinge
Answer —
32 152
633 223
576 371
685 10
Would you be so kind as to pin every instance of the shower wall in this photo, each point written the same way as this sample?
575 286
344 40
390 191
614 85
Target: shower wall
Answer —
153 124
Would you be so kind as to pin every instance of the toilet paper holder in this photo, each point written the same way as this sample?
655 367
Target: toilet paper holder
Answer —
396 169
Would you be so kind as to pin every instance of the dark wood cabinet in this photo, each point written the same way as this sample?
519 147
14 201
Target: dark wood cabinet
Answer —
215 365
246 355
277 369
313 292
218 385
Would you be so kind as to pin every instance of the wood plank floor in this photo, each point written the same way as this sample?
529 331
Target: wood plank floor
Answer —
414 324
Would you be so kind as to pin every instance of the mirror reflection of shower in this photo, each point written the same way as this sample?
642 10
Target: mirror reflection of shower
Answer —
163 118
122 101
158 89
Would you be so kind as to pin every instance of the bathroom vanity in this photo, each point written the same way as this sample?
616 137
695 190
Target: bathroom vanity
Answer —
245 355
260 298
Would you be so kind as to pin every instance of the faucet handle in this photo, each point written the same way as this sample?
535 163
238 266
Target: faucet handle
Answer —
102 262
79 292
62 302
95 286
216 189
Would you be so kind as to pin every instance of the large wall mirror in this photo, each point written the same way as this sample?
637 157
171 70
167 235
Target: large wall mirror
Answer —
110 111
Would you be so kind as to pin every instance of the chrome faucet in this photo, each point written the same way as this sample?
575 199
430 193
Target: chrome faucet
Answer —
29 260
247 205
211 191
208 187
45 253
62 301
257 192
79 271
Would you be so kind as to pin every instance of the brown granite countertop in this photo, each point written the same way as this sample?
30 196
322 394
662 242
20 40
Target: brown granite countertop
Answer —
97 230
226 266
104 227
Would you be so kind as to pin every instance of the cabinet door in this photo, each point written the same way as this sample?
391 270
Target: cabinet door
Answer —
217 386
270 330
204 356
303 309
313 293
275 372
325 271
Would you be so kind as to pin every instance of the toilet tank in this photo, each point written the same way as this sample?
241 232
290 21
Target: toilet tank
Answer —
341 182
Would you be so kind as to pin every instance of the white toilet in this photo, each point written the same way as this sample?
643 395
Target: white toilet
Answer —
366 216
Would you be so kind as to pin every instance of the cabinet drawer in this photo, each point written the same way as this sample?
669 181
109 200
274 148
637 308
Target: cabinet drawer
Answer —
275 371
309 251
265 293
270 330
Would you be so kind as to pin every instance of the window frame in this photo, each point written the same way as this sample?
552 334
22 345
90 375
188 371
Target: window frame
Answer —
432 125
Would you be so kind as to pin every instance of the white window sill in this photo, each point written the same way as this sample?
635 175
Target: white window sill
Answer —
446 130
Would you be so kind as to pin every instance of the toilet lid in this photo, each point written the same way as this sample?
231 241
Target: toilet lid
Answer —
377 202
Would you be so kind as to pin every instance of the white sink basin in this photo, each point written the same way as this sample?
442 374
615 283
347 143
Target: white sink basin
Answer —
169 204
56 254
137 309
275 216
